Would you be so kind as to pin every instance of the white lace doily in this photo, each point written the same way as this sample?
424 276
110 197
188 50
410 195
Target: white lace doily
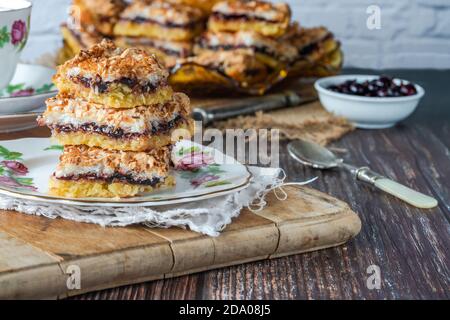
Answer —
206 216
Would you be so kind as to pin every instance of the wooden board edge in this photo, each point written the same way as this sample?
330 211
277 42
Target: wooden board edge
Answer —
273 255
125 266
29 281
290 253
59 289
298 237
254 242
123 270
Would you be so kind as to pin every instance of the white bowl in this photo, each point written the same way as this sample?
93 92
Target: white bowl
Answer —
366 112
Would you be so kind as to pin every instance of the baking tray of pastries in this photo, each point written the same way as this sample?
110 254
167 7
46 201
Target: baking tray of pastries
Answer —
208 46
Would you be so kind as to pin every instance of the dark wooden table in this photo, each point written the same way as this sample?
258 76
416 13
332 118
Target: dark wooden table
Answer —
410 246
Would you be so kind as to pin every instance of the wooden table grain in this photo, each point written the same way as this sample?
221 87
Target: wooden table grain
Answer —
410 246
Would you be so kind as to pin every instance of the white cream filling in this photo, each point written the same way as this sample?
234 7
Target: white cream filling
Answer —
226 9
161 13
73 72
250 39
101 171
62 119
239 38
154 77
178 47
138 126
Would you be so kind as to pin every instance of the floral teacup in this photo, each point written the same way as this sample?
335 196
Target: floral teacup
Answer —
14 30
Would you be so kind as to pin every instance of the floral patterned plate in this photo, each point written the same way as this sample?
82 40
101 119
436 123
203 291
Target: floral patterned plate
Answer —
29 88
200 172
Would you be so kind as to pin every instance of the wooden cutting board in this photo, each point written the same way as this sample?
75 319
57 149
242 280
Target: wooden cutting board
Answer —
37 254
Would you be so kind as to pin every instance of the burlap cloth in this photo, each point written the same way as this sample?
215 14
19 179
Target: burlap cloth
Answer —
310 121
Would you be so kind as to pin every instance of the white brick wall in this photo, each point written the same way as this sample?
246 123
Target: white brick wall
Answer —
413 34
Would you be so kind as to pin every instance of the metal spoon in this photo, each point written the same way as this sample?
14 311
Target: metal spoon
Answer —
316 156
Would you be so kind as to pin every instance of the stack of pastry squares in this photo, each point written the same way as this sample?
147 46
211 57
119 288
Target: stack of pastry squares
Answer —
319 53
117 118
244 35
161 27
268 19
166 28
89 22
248 41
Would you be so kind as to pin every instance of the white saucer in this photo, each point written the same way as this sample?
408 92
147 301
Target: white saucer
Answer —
28 90
33 161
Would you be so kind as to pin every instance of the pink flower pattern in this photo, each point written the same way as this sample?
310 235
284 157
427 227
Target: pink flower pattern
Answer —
18 168
194 161
18 32
204 178
13 172
9 182
23 93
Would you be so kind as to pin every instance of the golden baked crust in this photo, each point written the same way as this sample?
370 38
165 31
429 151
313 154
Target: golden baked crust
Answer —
78 41
64 53
101 189
96 15
263 17
63 110
96 172
120 96
119 78
139 143
74 121
179 49
160 20
260 44
80 159
267 11
163 13
271 29
108 62
105 8
153 30
240 64
313 44
303 37
167 51
204 5
319 51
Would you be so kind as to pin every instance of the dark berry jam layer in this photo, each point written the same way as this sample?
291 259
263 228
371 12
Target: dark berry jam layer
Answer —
226 47
118 133
171 52
77 36
102 86
117 177
190 25
176 53
380 87
314 45
182 53
241 17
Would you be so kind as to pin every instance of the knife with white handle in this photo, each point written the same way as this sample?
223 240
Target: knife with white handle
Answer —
249 106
